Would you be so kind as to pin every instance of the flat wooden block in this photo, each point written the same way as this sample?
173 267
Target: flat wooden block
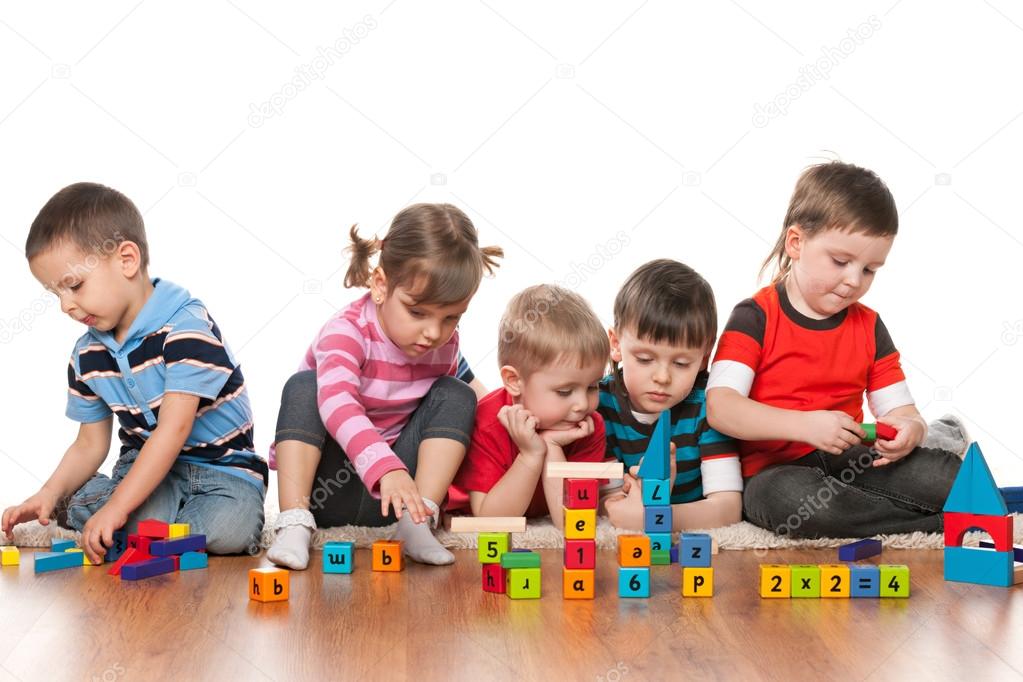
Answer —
578 583
9 556
633 550
85 557
338 557
775 581
269 584
57 545
598 470
806 581
694 550
178 530
633 583
520 559
660 557
494 578
387 555
581 493
150 568
580 554
488 524
523 583
835 581
490 547
861 549
53 561
697 581
189 543
894 580
580 524
153 528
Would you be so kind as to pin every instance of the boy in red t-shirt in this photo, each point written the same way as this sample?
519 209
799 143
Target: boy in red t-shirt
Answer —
552 350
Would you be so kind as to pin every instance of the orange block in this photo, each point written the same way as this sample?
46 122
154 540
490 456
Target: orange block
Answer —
578 583
387 555
633 550
268 584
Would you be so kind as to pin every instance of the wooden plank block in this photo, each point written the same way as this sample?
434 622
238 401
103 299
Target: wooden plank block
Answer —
488 524
585 470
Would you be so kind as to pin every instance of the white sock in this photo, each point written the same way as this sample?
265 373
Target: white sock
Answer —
291 546
418 542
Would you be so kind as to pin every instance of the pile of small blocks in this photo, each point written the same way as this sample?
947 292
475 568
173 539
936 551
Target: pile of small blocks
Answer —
838 581
515 572
62 554
156 548
339 557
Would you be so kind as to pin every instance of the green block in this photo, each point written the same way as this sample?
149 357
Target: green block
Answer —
660 557
870 430
523 583
806 581
492 546
894 580
520 560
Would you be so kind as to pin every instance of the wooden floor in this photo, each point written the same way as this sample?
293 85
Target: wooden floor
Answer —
437 624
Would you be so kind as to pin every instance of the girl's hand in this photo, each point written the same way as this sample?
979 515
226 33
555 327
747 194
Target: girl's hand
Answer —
564 437
831 431
38 507
397 490
98 533
521 426
911 432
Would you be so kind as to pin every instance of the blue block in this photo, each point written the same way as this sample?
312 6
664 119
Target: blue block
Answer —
1017 550
1013 499
193 560
338 557
658 519
634 583
673 553
694 550
864 581
61 545
148 569
978 566
656 460
656 492
53 561
660 541
115 550
188 543
974 490
861 549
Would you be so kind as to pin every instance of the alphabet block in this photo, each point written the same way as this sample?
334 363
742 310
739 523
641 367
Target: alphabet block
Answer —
694 550
656 492
634 583
806 581
578 583
633 550
492 545
269 584
522 559
148 569
894 580
192 560
53 561
58 545
189 543
775 581
580 524
178 530
580 493
864 581
523 583
580 553
494 578
387 555
697 581
657 519
120 544
660 541
338 557
153 528
859 550
9 556
835 581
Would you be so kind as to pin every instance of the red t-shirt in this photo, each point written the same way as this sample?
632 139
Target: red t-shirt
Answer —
492 453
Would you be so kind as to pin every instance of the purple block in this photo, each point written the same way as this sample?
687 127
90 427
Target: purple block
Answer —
189 543
673 553
861 549
1017 550
147 569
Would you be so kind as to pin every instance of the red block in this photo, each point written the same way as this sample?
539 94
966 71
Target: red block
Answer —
153 528
130 556
580 553
998 527
140 542
493 578
885 432
580 493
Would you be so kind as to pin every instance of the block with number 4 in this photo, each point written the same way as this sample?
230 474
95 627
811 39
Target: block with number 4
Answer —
894 580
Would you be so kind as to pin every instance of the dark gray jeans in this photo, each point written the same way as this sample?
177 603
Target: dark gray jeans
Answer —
824 495
339 497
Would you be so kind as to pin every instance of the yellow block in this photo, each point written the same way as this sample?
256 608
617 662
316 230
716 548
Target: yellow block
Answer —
697 582
580 524
578 583
10 556
178 530
85 557
775 581
835 581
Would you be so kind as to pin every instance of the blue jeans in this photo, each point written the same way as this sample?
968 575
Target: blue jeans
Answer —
219 505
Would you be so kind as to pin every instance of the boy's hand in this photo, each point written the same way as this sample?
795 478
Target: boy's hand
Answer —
911 434
672 466
625 510
831 431
38 507
564 437
98 533
521 426
397 489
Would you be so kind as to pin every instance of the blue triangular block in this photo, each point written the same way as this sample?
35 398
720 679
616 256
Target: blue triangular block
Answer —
974 491
655 461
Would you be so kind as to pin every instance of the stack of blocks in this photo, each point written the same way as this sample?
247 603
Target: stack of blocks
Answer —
837 581
156 548
504 570
694 555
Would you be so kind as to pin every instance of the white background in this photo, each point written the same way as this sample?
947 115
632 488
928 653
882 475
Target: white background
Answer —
566 131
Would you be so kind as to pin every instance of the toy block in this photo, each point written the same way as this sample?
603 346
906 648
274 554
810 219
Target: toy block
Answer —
697 581
657 519
694 549
660 541
1013 497
491 546
894 580
974 490
338 557
140 542
673 554
488 524
598 470
53 561
978 566
58 545
178 530
633 550
581 493
153 528
1017 573
634 583
524 559
148 569
879 431
580 524
578 583
523 583
806 581
864 580
129 556
775 581
660 557
9 556
656 492
120 544
1017 550
269 584
86 561
189 543
387 555
859 550
580 554
494 578
998 527
835 581
656 461
192 560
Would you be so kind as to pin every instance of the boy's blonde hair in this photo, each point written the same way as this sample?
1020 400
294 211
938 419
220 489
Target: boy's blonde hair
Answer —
545 324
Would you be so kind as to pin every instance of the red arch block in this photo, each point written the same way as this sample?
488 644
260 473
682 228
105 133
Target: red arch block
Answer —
998 527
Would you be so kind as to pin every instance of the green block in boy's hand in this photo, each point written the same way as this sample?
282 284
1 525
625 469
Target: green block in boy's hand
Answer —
520 560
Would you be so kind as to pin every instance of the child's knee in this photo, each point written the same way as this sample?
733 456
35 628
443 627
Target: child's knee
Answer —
782 500
455 393
300 389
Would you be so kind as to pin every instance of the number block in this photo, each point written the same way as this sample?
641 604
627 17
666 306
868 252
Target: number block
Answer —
494 578
580 524
660 541
189 561
660 557
492 545
775 581
656 492
520 559
268 584
634 583
835 581
580 553
387 555
806 581
578 583
697 581
580 493
694 550
9 556
657 519
633 550
864 581
894 580
338 557
523 583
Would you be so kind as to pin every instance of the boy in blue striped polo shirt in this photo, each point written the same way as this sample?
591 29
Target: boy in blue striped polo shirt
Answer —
154 358
665 325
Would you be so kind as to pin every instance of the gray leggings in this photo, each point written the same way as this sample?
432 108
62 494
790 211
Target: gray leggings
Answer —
339 497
